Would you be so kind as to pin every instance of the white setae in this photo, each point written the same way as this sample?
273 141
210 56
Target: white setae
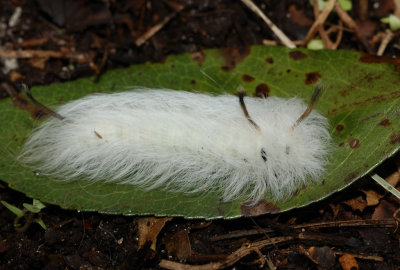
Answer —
185 142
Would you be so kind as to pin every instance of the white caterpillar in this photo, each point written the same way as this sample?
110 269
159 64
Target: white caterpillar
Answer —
184 142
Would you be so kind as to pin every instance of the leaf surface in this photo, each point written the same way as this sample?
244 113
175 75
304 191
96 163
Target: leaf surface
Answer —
361 100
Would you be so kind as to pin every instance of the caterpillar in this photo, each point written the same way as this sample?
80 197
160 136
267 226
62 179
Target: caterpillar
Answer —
236 146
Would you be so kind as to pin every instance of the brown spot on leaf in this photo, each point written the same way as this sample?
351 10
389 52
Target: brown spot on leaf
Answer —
367 58
261 207
370 100
395 138
312 77
339 127
262 90
193 81
297 55
303 187
371 78
233 56
247 78
220 211
370 116
385 122
288 70
21 101
225 68
199 57
38 114
269 60
350 177
354 143
341 144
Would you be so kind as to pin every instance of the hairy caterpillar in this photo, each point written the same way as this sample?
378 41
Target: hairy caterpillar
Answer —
184 142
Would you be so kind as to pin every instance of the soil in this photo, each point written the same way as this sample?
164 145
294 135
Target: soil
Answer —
104 33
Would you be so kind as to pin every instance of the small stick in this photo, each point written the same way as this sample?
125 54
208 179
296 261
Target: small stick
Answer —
80 57
278 32
241 95
324 35
361 256
387 37
314 98
319 21
353 26
153 30
230 259
339 36
369 223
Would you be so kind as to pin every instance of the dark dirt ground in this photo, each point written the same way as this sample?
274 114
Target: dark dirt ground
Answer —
353 229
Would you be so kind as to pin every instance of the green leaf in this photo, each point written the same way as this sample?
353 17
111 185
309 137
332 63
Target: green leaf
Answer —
362 101
38 204
315 44
18 212
393 21
35 207
41 223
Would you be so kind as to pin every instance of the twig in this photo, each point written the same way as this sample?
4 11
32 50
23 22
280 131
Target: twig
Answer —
319 21
230 259
396 8
353 26
389 222
363 9
153 30
361 256
278 32
339 36
387 37
324 35
81 57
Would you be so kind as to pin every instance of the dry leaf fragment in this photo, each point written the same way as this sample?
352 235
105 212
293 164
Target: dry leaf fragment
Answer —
394 178
148 230
372 197
15 75
38 62
178 245
348 262
383 210
357 203
323 256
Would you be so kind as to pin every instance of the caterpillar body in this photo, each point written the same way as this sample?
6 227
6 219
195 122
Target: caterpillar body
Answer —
184 142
